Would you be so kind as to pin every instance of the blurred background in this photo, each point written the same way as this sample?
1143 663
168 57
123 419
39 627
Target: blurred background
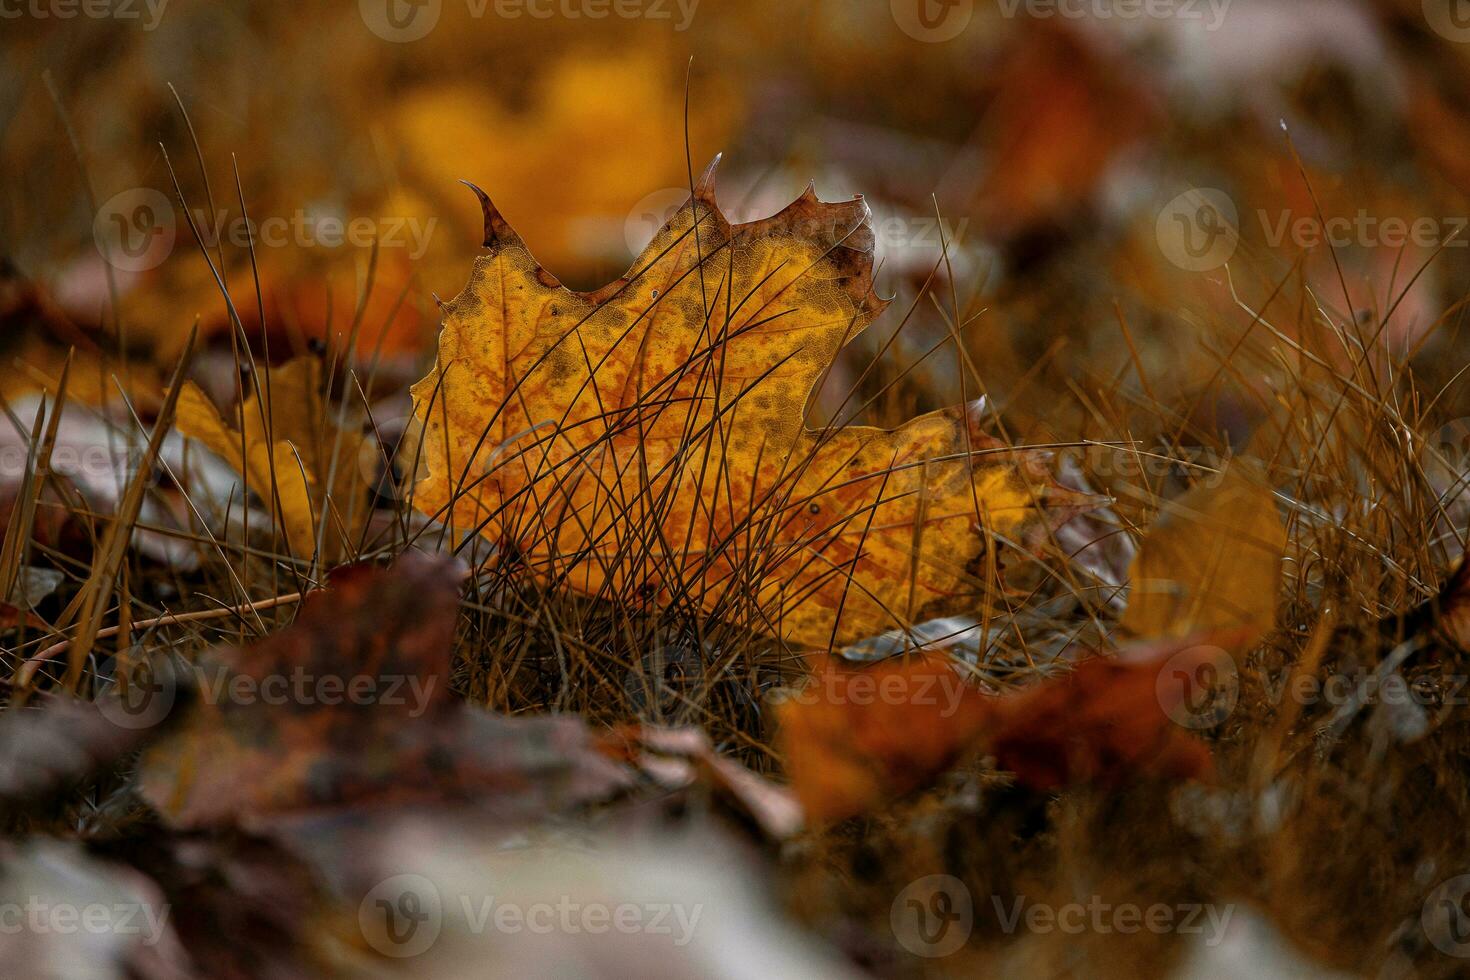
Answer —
1085 190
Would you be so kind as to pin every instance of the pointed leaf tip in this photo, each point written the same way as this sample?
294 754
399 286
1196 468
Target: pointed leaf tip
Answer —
704 188
497 230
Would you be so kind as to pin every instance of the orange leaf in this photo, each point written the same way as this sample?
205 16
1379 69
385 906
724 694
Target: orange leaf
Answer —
854 736
1111 721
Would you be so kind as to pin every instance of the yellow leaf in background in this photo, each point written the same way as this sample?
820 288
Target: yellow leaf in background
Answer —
570 186
649 438
289 453
1211 561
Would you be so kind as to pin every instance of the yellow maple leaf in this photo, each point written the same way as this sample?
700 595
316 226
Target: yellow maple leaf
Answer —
649 439
288 454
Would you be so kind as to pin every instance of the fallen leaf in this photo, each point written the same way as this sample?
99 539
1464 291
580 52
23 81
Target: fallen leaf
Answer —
351 705
12 617
649 438
34 584
1210 562
93 460
1110 721
296 451
25 307
855 736
1096 542
37 339
308 297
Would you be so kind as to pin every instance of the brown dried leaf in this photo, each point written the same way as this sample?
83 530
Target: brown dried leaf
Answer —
351 705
